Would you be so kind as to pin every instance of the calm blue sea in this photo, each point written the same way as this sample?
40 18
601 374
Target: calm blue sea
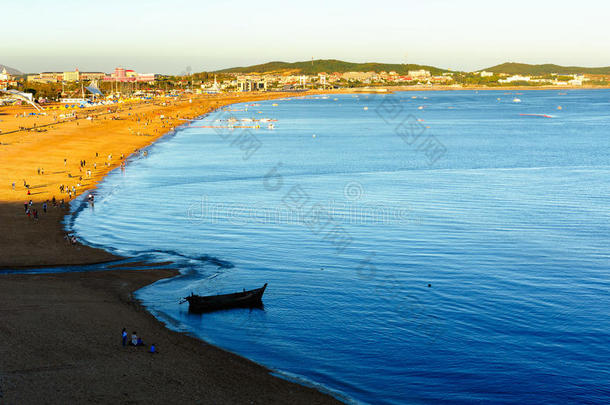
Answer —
419 246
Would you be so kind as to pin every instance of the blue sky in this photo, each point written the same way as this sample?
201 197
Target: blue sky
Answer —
155 36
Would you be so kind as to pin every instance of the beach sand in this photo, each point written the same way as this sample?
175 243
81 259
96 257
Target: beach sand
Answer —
100 142
61 344
60 333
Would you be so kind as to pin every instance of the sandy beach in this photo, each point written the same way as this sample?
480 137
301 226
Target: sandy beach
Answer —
39 163
61 344
61 332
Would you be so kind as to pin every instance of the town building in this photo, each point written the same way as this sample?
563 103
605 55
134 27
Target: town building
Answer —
419 74
127 75
5 76
7 79
251 83
70 76
515 78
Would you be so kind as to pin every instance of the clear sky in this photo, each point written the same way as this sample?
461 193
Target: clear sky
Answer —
154 36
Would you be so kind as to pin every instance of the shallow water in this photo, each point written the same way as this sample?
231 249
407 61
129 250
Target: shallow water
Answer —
350 213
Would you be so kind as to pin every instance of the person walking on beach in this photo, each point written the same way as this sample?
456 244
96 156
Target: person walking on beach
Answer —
134 339
124 336
44 207
13 186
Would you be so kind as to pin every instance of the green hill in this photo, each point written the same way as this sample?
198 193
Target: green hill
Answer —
539 70
329 66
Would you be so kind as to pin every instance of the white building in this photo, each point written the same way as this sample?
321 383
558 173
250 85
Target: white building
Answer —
5 76
515 78
419 74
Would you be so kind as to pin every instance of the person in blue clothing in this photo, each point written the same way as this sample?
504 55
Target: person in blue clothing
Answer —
124 336
153 349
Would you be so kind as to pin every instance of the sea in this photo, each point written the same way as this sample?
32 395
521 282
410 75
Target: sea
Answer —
419 247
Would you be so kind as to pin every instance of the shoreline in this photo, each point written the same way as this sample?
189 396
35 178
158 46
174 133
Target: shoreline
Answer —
66 327
102 143
392 89
28 244
54 246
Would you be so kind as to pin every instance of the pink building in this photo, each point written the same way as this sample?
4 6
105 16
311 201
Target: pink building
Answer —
127 75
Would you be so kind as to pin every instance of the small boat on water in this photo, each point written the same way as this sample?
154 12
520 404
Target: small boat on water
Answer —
208 303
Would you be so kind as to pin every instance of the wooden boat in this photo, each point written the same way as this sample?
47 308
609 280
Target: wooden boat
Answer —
208 303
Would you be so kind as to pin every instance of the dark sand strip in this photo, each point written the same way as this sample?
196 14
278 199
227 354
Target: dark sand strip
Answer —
60 344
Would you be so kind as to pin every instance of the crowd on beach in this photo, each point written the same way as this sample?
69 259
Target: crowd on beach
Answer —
91 167
32 212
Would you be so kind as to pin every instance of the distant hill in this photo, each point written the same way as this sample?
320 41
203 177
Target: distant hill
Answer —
537 70
329 66
10 70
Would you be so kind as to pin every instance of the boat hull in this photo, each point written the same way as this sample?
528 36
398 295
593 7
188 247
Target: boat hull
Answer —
245 299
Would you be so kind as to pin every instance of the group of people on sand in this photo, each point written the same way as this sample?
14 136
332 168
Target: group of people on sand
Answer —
32 212
136 341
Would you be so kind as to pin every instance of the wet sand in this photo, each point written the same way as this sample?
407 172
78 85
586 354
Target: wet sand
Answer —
61 344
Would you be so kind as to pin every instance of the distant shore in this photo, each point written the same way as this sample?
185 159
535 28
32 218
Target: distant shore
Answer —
391 89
